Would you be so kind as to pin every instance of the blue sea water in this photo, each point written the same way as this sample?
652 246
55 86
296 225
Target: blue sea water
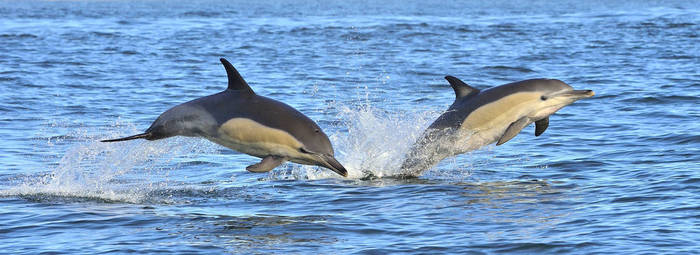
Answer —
615 174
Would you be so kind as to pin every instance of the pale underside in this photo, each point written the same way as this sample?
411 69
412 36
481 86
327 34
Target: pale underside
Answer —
252 138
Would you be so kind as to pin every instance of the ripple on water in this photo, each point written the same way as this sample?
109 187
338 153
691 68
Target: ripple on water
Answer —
18 36
203 14
661 99
500 68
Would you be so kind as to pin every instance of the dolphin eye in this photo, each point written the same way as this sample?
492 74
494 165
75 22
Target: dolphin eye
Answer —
543 98
317 130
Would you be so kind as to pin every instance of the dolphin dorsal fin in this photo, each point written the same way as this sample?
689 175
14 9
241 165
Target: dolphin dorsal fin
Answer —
235 80
461 89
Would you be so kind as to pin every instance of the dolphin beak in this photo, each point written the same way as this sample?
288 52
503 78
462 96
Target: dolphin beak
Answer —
580 94
331 163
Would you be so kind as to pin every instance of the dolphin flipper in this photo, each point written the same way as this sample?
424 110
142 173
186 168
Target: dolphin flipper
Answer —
541 126
513 130
268 163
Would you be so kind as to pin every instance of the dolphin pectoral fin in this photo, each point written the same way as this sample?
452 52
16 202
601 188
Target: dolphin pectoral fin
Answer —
268 163
541 126
513 130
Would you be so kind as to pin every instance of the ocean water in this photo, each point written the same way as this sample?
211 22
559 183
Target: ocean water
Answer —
615 174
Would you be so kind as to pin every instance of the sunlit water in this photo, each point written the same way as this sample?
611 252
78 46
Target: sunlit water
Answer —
617 173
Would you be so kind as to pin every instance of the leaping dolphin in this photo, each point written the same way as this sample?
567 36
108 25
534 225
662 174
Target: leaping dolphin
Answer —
478 118
243 121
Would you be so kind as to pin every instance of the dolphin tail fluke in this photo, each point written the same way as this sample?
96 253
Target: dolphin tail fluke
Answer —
139 136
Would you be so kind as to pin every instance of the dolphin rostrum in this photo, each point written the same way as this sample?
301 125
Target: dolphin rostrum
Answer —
243 121
478 118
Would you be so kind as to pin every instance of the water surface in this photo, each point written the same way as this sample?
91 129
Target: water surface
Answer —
617 173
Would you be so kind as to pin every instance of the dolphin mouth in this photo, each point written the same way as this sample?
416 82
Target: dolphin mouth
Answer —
331 163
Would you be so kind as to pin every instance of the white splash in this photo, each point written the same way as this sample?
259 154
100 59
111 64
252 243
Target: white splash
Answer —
126 171
370 141
376 141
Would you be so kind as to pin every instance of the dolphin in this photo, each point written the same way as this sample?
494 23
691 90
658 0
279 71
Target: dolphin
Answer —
496 115
243 121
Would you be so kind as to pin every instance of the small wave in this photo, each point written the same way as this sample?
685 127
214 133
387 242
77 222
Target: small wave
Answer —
533 57
54 63
640 199
691 181
677 57
419 34
2 78
680 25
648 24
20 36
412 25
533 248
504 26
508 68
424 73
204 14
675 138
129 52
124 22
690 209
467 30
672 99
104 34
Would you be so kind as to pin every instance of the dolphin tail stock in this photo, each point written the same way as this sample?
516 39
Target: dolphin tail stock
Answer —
419 159
146 136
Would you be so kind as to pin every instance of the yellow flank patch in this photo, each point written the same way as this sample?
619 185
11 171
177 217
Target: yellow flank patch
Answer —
506 109
246 131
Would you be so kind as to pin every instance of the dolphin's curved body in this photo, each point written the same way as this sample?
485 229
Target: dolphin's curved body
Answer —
496 115
241 120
